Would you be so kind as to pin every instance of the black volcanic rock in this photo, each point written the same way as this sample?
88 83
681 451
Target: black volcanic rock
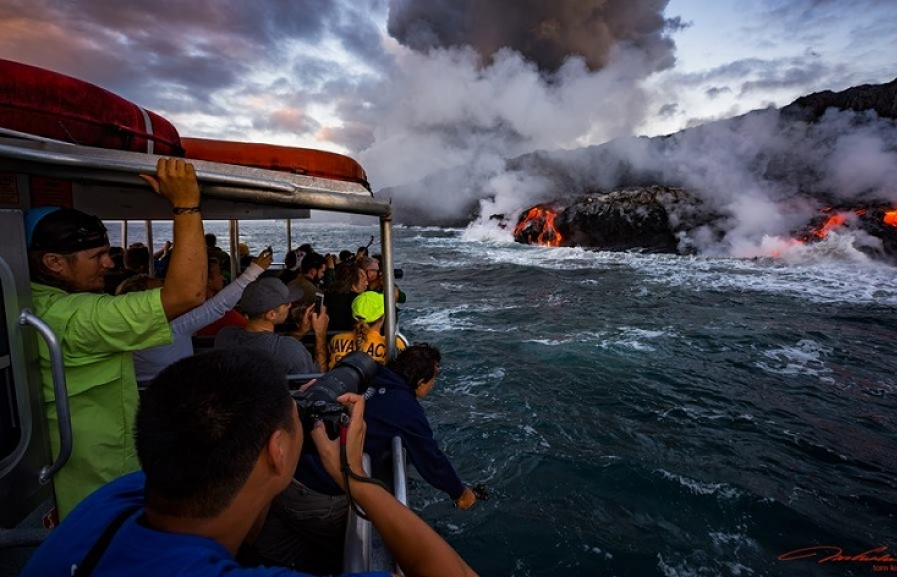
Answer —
882 98
622 220
641 218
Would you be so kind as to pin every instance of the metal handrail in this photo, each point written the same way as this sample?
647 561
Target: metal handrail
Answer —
217 184
359 533
399 471
135 167
60 390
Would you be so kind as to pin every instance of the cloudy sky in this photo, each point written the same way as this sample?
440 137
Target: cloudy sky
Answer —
413 86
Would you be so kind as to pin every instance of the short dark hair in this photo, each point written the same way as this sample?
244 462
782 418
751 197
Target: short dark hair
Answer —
211 239
137 258
289 260
416 364
202 424
311 261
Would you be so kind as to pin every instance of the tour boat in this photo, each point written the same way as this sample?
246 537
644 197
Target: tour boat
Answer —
69 143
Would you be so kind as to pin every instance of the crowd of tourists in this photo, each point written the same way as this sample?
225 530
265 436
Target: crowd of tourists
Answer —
201 460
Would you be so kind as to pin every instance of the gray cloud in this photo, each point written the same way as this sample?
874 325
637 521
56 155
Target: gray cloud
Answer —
166 54
667 110
545 33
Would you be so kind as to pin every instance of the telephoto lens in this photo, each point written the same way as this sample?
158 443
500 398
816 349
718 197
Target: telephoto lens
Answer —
318 403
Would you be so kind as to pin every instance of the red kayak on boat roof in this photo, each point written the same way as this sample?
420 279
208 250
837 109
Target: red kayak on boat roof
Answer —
51 105
304 161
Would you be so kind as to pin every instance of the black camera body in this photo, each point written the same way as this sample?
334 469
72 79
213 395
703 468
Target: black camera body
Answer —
318 403
398 273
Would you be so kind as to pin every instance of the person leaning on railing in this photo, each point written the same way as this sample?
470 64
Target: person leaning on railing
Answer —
68 257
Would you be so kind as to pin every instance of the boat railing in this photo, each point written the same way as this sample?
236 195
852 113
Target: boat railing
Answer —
363 549
60 393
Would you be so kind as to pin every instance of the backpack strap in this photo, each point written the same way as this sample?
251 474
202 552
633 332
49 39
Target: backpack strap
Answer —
92 559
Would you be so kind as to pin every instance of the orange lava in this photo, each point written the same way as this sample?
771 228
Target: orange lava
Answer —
891 217
541 219
833 222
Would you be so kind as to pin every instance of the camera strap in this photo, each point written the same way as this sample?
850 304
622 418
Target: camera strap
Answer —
92 559
348 473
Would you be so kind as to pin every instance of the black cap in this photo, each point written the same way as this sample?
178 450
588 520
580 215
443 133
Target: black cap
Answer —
63 230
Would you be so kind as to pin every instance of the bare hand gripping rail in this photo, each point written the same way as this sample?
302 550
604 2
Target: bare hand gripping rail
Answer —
63 414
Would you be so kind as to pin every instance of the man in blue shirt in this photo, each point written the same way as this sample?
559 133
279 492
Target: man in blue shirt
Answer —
218 437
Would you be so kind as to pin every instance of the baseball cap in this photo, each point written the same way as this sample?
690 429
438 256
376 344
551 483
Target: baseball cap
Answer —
63 230
265 294
368 306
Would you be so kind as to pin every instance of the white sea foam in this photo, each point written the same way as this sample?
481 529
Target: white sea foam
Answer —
697 488
832 270
598 551
806 358
458 318
620 338
467 383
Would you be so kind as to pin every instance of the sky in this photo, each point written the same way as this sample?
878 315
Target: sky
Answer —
413 87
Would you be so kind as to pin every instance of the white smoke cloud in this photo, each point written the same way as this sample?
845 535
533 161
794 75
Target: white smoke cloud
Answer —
444 110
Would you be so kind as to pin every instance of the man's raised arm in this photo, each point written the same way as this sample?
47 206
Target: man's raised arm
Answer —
185 283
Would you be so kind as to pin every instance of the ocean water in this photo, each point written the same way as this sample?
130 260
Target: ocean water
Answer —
650 414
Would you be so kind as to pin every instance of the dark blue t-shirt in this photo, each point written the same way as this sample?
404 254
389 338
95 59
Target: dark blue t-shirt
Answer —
136 550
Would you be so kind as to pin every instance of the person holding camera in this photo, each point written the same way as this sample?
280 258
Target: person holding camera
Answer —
218 437
266 302
394 409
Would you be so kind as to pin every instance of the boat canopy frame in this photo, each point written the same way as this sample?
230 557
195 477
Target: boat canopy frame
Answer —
104 183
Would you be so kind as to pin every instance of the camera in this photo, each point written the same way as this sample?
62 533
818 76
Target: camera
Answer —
318 403
398 273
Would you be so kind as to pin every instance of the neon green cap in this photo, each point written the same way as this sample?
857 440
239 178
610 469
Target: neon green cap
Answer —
368 306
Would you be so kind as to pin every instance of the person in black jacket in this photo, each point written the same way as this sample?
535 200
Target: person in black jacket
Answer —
393 409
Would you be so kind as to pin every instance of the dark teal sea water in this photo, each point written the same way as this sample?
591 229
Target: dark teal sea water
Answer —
650 414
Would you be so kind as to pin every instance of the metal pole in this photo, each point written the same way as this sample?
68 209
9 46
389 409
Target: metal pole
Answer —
234 249
149 244
389 296
290 235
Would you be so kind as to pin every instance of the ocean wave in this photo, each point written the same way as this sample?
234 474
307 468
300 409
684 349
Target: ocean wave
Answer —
832 270
806 358
622 337
701 489
457 318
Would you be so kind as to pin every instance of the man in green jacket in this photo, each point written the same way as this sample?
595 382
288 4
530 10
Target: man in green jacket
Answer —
68 255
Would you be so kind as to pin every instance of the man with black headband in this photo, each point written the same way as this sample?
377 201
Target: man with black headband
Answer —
68 257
